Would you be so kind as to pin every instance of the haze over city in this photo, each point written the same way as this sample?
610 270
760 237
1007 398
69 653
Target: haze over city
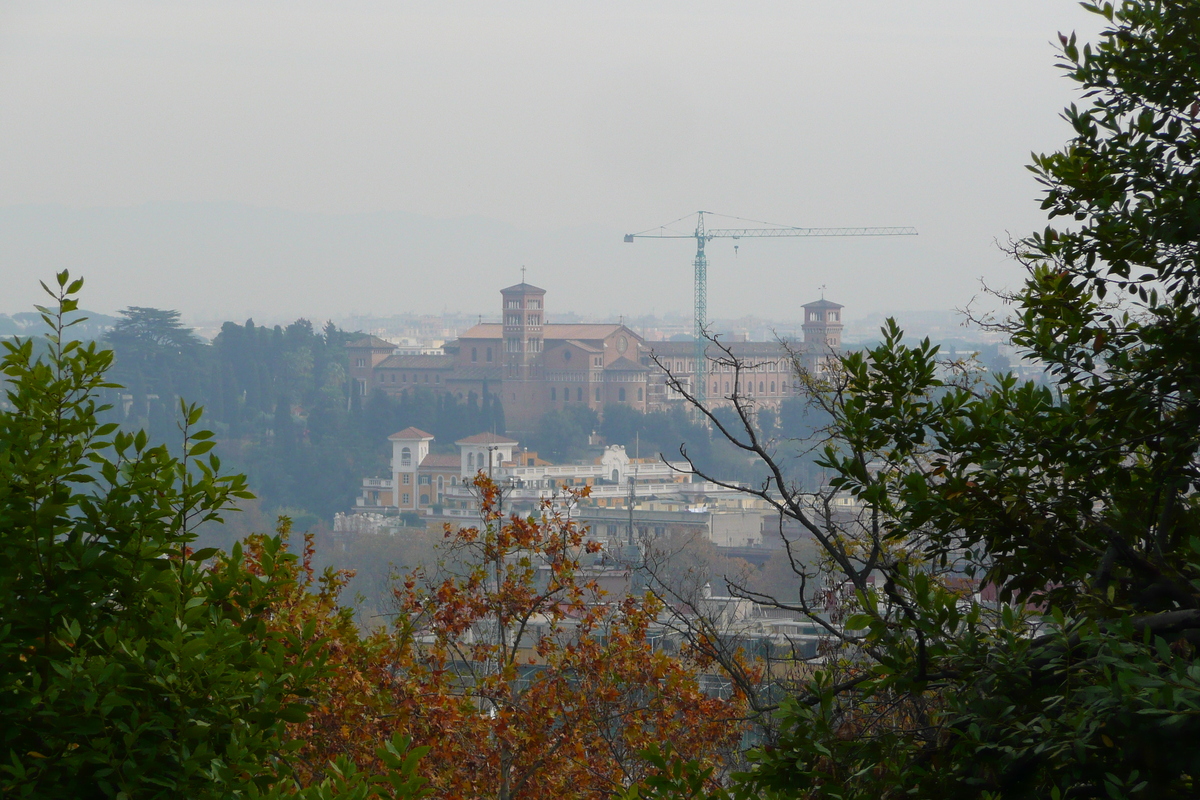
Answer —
286 159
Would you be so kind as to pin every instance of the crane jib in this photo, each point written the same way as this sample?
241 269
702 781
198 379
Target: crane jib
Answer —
703 234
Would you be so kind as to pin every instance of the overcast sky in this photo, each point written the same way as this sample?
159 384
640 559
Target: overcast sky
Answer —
530 133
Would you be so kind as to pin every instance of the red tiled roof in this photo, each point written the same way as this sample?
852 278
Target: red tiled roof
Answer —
416 362
442 460
411 433
523 287
373 342
584 332
486 438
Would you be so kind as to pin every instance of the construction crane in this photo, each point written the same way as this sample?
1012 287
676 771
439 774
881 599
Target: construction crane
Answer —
703 235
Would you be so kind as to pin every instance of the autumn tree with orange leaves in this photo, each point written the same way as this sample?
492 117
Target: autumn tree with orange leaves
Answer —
510 664
541 686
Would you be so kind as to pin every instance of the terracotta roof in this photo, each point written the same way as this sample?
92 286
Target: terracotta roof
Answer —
373 342
411 433
416 362
823 303
486 438
471 372
740 349
443 460
623 364
523 287
586 332
583 346
484 330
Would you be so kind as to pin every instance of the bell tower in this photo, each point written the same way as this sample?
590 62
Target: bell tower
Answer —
822 326
523 315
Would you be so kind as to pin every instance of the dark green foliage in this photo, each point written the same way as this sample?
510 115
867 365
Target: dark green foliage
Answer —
562 436
445 416
127 668
666 432
280 401
1077 502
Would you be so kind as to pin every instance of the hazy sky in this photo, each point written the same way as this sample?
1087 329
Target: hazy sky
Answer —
559 124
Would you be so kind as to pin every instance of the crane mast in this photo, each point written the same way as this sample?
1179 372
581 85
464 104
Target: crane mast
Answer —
703 235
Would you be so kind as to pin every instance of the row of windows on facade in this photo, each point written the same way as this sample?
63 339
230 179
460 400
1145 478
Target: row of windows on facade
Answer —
815 316
748 387
406 499
597 361
530 303
531 346
391 377
475 354
762 366
426 480
514 320
566 394
659 531
406 461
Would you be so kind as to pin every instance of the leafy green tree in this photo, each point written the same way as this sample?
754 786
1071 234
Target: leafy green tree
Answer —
157 360
563 435
1023 562
128 668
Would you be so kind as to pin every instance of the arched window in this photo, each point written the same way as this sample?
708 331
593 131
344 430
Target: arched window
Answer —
621 394
406 457
475 354
639 393
760 387
553 393
470 461
616 476
772 387
441 484
489 355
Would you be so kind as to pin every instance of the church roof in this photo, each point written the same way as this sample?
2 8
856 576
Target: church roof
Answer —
623 364
410 434
473 372
522 287
417 361
486 438
823 303
374 342
583 332
739 349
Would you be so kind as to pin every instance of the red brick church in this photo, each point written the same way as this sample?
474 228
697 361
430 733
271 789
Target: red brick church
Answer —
535 367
